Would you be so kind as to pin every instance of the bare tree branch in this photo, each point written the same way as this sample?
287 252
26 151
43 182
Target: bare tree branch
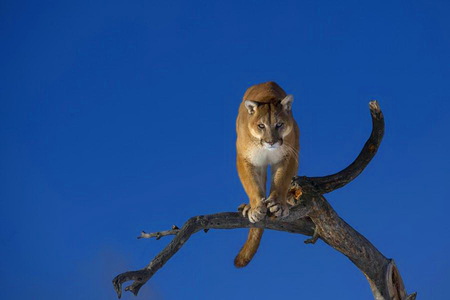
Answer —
216 221
312 216
326 184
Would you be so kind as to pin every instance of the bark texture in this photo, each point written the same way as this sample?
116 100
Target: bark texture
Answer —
311 215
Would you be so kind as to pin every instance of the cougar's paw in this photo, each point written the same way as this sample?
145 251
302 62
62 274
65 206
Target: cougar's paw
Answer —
277 209
254 214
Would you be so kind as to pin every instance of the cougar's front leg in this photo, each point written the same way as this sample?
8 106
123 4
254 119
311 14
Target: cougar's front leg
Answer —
282 174
254 181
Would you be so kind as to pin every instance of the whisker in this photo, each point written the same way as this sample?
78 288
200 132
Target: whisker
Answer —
288 149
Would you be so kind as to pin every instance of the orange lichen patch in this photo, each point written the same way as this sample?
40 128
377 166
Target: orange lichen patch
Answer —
372 148
296 192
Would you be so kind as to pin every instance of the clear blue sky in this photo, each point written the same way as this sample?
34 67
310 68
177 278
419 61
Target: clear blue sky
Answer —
119 116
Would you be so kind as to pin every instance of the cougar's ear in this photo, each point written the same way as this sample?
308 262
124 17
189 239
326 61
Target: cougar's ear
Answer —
287 102
251 106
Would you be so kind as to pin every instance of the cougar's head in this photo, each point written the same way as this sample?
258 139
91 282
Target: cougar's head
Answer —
270 122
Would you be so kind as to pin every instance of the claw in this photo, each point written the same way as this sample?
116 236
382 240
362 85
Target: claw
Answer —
277 209
241 207
254 215
245 211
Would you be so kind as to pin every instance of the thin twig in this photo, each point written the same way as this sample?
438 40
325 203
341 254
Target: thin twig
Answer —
159 234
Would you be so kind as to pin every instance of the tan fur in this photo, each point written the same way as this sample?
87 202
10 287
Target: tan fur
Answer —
275 145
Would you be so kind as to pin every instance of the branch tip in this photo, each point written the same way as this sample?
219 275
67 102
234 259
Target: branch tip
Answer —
373 105
139 277
314 238
375 110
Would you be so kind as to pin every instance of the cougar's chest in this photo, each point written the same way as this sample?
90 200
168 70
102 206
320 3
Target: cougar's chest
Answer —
261 157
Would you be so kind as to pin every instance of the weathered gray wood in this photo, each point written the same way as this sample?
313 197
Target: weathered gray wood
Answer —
216 221
311 216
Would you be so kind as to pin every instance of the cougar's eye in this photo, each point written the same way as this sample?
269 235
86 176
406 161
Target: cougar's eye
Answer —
279 125
261 126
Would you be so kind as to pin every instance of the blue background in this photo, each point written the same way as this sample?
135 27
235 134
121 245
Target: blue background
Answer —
119 116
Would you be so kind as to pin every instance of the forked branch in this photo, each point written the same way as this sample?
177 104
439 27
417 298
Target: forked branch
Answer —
311 216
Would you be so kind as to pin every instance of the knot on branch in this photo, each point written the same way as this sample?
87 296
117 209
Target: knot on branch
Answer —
303 185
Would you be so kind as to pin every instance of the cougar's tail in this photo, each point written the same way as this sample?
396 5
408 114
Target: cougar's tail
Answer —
250 247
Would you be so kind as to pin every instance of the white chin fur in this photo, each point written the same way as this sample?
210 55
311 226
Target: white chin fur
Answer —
271 147
263 156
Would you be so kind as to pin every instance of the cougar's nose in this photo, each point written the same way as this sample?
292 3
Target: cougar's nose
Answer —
271 143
